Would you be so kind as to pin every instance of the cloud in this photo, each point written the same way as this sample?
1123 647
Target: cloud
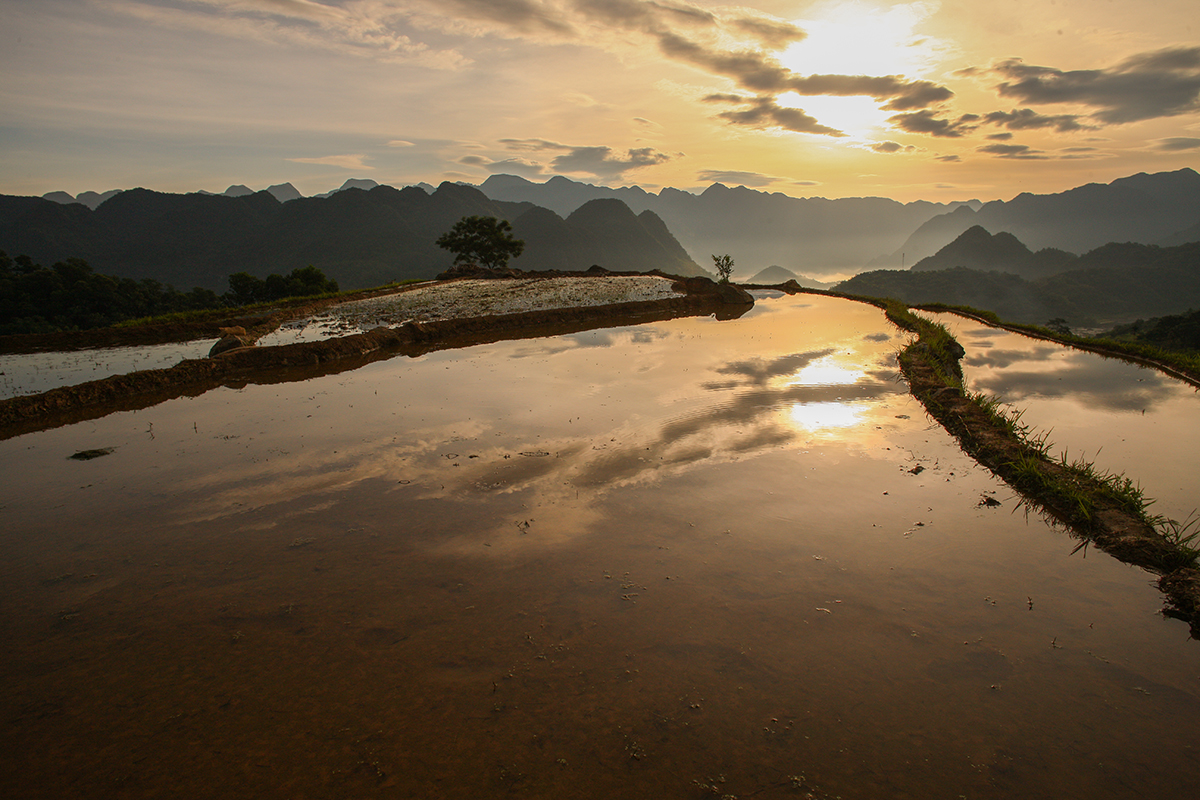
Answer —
400 143
356 161
759 72
601 162
925 122
999 137
1178 143
764 112
949 159
1028 119
1162 83
771 33
507 166
1013 151
736 177
890 147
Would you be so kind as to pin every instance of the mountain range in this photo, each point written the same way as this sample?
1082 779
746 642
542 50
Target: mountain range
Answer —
357 237
1117 282
1159 208
812 236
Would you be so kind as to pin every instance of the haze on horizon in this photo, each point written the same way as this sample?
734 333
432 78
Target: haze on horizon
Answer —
914 100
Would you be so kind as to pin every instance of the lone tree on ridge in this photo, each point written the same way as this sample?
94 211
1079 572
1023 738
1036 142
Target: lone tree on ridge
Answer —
486 241
724 265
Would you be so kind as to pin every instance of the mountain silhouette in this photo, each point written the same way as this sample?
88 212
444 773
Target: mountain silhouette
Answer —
1118 282
805 235
357 237
977 249
1143 208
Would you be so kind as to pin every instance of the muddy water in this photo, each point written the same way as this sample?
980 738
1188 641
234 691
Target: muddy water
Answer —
1124 418
672 560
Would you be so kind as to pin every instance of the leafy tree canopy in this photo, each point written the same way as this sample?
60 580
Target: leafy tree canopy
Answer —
485 241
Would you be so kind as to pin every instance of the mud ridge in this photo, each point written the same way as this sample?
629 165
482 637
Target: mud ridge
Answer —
300 361
1109 525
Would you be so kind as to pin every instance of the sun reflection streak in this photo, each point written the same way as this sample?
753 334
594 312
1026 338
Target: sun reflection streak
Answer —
826 372
820 416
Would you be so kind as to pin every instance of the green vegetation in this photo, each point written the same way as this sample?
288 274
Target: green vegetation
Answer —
1116 281
485 241
69 296
724 265
1076 492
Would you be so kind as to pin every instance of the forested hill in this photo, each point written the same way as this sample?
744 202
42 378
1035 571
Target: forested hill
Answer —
1113 283
357 238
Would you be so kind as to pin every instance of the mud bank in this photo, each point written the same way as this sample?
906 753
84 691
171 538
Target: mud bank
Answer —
25 414
934 376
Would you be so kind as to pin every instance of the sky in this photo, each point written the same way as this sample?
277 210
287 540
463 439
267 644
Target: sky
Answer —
939 101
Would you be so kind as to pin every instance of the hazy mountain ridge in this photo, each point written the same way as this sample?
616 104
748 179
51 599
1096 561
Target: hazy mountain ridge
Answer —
356 237
1143 208
1114 283
759 229
978 249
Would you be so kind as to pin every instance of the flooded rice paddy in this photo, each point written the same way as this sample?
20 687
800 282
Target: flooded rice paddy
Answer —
692 558
31 373
1122 417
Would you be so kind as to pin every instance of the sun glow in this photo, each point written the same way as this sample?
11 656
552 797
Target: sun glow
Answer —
857 116
825 372
815 416
859 39
862 39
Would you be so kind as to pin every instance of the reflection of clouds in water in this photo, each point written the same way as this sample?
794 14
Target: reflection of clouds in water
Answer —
1095 381
758 371
999 358
878 337
609 337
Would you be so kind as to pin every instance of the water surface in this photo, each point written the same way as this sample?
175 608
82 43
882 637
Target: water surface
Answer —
1123 417
633 562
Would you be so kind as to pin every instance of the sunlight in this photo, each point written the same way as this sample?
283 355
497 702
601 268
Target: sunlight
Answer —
858 38
852 115
825 372
815 416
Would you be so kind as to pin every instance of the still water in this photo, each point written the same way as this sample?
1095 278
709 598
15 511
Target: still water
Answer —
1124 418
683 559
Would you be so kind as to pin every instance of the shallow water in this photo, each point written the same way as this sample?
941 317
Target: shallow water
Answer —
624 563
39 372
1125 418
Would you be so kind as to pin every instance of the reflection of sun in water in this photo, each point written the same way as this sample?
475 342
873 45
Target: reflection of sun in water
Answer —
825 372
814 416
857 38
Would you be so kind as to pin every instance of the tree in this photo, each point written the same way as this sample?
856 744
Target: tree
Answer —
486 241
724 265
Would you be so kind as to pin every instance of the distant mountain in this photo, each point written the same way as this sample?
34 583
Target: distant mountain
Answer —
358 238
805 235
977 249
238 190
351 183
1113 283
89 199
1140 208
283 192
1189 234
775 274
